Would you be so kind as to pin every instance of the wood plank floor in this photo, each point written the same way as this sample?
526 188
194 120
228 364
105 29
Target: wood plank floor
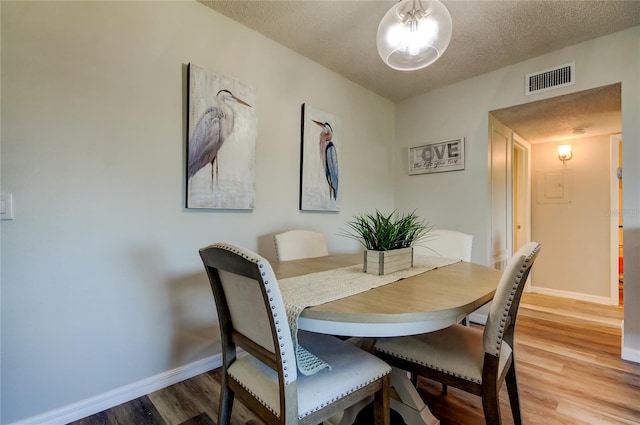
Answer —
569 372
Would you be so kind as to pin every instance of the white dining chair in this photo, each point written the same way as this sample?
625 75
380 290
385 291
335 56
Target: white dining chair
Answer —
472 359
253 318
299 243
446 243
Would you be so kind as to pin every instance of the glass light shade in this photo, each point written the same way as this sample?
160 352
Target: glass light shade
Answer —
564 152
413 34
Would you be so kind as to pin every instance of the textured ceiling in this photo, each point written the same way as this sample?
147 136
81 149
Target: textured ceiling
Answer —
487 35
596 111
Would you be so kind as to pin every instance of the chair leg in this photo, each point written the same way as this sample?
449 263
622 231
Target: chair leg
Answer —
491 404
514 399
444 389
226 404
382 404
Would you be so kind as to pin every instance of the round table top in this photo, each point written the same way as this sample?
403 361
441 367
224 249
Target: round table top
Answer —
418 304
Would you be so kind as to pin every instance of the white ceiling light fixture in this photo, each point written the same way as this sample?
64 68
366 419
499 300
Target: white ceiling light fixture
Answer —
413 34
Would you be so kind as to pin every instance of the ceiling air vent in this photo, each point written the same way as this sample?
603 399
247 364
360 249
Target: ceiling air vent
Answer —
550 79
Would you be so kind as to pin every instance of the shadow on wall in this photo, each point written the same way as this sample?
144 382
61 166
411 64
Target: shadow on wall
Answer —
196 333
178 310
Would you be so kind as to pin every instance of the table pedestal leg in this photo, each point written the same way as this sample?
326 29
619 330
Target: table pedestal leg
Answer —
348 416
410 407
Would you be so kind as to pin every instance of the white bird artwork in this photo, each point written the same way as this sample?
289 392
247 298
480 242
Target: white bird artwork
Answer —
213 128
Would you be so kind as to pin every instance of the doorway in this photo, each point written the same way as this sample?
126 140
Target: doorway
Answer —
510 192
510 179
596 111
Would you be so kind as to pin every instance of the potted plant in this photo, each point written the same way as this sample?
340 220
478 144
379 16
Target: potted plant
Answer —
387 239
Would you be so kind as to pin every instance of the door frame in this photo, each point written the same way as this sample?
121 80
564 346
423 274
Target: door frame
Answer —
501 193
614 212
514 141
523 180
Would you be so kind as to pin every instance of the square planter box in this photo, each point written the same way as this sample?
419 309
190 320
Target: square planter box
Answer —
385 262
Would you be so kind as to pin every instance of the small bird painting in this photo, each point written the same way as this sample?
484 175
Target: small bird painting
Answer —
329 158
213 128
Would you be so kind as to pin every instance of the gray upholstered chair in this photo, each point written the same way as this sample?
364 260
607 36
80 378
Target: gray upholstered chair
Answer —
252 317
468 358
296 244
446 243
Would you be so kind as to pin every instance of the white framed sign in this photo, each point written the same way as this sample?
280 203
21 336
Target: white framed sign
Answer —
436 157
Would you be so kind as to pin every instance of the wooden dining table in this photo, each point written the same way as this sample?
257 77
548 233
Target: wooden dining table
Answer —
422 303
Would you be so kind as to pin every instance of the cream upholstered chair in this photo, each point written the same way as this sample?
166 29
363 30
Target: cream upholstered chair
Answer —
468 358
296 244
447 243
252 317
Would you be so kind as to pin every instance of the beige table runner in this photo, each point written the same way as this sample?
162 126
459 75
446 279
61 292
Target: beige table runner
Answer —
318 288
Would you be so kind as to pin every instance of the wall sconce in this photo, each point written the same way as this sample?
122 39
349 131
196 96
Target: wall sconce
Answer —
564 153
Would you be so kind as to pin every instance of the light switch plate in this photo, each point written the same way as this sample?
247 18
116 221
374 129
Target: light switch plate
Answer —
6 206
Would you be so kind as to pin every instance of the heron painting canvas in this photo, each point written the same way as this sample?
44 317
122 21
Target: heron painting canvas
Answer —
221 142
320 154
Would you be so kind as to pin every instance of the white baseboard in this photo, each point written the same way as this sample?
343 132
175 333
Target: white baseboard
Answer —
480 318
571 295
90 406
629 354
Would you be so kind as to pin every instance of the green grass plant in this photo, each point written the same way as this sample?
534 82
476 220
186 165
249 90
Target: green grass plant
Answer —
384 232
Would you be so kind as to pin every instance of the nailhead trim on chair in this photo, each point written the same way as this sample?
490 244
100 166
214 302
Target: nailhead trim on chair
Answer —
256 397
501 329
316 408
261 264
284 341
430 366
247 255
505 313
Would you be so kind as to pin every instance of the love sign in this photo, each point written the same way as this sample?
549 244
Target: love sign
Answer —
447 155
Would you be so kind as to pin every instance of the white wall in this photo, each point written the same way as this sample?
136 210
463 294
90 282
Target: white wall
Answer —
574 230
460 200
102 285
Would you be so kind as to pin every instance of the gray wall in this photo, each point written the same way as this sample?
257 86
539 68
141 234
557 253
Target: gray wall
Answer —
461 199
102 285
